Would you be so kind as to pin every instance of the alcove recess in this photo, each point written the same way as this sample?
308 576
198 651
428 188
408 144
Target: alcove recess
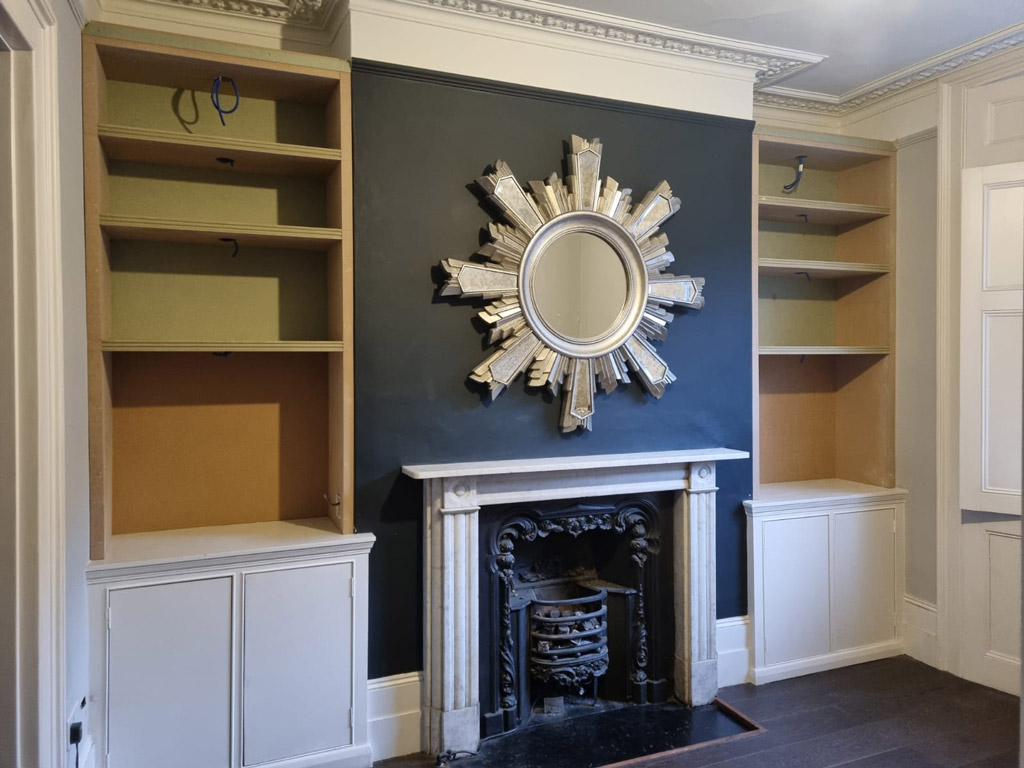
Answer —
219 278
824 257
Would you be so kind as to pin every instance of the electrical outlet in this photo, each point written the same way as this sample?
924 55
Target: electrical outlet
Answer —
77 745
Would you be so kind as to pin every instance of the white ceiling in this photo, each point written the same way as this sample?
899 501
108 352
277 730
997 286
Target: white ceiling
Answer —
863 39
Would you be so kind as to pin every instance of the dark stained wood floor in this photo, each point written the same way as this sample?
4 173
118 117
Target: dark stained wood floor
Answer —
894 713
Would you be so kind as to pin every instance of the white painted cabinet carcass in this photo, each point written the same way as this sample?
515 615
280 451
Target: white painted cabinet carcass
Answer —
825 575
253 655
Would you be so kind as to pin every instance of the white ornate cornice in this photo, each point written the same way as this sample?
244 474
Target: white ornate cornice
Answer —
931 69
770 63
307 13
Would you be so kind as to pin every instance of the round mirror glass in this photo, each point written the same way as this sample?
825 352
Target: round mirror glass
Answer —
579 286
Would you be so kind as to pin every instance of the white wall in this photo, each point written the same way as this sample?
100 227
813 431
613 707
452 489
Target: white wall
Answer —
76 410
916 317
907 113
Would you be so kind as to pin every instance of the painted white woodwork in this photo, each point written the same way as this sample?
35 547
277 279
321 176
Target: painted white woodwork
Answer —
995 123
921 630
955 125
454 495
864 564
992 270
292 602
992 603
795 576
394 715
825 575
296 700
32 393
169 676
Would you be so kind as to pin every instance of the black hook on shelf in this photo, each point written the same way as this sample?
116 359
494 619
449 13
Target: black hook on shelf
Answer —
802 216
233 242
805 274
799 174
215 97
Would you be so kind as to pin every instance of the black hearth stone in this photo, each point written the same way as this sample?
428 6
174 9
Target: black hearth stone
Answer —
605 737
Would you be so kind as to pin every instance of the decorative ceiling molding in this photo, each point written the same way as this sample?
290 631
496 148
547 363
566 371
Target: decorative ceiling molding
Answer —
307 13
930 69
770 63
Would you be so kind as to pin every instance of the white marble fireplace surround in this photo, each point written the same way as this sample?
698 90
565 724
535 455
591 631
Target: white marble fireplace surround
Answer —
453 495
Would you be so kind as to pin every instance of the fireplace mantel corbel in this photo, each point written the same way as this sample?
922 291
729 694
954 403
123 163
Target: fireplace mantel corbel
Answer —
454 495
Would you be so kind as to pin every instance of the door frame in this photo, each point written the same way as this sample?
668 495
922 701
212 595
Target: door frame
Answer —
35 402
952 95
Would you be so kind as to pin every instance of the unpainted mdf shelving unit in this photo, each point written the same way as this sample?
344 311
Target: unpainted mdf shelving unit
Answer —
824 260
219 277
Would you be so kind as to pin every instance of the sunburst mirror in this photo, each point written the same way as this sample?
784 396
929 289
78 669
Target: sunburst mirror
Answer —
576 274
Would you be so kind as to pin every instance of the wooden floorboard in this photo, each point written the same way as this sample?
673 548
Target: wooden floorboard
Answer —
894 713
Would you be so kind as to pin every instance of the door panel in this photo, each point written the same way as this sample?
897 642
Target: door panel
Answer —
169 686
992 609
796 588
297 681
864 548
992 268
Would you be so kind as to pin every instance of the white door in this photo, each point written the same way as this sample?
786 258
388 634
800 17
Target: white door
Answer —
169 675
297 692
991 339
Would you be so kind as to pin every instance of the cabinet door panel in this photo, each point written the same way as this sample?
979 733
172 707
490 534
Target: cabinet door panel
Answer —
796 588
169 687
864 549
297 688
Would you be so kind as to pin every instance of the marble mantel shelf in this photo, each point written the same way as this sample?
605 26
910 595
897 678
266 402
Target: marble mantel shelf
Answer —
571 463
455 495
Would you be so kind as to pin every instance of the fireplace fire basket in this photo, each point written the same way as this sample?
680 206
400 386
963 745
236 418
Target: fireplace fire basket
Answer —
568 634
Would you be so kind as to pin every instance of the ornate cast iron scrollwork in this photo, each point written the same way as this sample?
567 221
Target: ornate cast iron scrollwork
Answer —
637 518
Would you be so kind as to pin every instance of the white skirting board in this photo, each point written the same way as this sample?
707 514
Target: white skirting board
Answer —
735 642
393 711
920 631
393 704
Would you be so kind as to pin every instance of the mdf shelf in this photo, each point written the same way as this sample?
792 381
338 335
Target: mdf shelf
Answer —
211 232
828 270
791 350
128 345
147 145
771 208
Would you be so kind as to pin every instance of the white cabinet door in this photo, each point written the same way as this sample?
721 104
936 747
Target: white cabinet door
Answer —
297 677
169 676
796 588
864 569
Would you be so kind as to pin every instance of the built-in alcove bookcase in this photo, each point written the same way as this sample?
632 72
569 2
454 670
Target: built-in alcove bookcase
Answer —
219 274
825 317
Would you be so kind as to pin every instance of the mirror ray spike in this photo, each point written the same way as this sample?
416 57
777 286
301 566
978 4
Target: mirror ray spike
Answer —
519 349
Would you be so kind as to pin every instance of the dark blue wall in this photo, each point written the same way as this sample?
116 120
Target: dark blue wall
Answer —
420 141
